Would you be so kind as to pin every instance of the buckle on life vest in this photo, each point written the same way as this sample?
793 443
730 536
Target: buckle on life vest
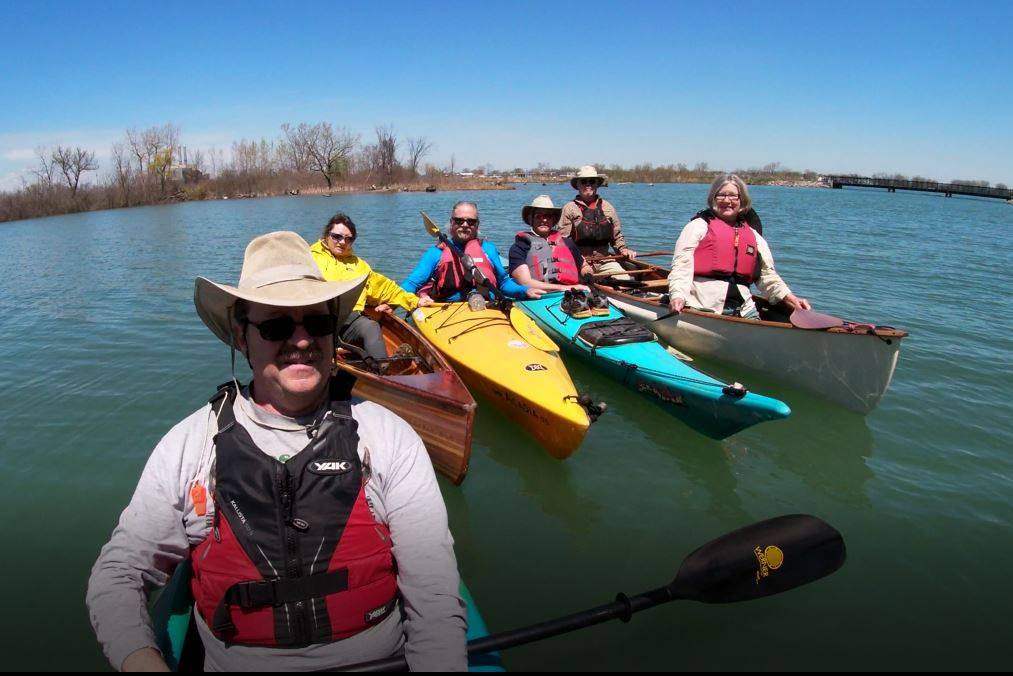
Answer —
262 593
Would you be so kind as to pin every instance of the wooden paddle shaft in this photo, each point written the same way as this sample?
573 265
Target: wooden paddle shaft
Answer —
624 257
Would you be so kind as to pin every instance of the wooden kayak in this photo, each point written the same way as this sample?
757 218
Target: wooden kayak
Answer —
627 352
421 386
511 362
851 364
176 635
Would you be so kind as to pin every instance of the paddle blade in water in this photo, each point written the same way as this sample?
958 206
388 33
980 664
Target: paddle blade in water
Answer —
807 319
759 560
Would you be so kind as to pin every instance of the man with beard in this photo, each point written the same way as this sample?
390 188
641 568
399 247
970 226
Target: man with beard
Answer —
290 500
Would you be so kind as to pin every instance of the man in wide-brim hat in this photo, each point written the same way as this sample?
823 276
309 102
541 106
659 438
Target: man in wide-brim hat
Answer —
593 224
288 498
541 257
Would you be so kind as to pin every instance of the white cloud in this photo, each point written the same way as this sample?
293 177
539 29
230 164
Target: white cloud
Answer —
19 154
11 180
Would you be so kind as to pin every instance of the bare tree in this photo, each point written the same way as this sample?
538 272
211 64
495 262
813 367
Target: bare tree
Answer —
386 153
73 162
326 150
44 172
139 149
197 161
418 148
123 171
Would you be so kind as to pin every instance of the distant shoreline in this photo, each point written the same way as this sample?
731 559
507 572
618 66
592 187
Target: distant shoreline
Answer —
466 185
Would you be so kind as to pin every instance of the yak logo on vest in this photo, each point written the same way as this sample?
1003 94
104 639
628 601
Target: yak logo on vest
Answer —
330 467
535 367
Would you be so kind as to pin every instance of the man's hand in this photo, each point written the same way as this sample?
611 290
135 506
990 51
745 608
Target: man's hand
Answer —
630 253
425 301
145 659
586 270
383 307
797 303
676 304
535 293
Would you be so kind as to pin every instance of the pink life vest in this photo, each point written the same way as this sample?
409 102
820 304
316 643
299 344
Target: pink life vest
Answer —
549 259
727 252
449 278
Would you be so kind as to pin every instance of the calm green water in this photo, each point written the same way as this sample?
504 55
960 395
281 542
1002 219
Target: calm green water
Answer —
103 353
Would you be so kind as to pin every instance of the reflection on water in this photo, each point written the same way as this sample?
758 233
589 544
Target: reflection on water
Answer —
544 479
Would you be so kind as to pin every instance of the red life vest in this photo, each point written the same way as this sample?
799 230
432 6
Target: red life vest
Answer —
549 259
451 278
727 252
298 558
593 232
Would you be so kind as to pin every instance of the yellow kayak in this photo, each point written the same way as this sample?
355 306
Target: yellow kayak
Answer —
514 365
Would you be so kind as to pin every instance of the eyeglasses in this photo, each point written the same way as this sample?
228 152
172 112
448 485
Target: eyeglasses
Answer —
727 196
587 181
282 328
341 238
461 221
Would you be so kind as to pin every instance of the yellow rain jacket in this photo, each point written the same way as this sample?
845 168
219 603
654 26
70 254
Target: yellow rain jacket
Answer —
378 289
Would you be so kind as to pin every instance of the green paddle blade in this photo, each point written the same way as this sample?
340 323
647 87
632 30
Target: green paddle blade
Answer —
759 560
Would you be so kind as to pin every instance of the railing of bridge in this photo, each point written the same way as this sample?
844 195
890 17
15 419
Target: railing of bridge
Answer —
926 186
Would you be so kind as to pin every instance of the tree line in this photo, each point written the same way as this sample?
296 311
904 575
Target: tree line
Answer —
152 166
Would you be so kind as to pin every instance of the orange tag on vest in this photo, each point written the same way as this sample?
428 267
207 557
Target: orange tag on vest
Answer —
200 499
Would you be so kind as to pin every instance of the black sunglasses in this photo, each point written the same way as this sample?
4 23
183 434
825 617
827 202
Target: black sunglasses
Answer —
461 221
282 328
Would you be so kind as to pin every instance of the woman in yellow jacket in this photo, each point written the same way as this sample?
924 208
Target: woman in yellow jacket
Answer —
333 254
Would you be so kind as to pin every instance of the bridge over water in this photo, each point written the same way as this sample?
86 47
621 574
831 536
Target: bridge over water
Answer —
893 185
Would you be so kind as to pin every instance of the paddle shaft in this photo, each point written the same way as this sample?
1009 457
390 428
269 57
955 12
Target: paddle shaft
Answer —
614 257
746 564
622 608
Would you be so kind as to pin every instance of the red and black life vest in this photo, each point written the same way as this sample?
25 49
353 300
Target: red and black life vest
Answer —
298 557
549 259
593 232
728 252
451 278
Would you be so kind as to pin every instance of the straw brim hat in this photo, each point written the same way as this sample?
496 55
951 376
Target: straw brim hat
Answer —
540 203
588 172
278 270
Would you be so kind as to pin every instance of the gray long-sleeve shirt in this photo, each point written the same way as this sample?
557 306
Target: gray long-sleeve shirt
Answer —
160 525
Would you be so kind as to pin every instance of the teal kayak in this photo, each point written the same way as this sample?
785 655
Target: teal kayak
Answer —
177 638
630 353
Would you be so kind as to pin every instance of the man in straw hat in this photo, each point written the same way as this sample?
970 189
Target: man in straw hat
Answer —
290 501
541 257
592 222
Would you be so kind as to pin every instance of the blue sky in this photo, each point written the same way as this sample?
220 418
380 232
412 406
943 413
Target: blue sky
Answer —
916 88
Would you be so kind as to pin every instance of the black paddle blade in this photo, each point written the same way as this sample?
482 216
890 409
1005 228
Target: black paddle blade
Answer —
765 558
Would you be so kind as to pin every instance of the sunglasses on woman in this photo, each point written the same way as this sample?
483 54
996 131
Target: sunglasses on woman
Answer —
282 328
341 238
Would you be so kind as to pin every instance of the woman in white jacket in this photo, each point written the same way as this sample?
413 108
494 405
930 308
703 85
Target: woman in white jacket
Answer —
719 256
